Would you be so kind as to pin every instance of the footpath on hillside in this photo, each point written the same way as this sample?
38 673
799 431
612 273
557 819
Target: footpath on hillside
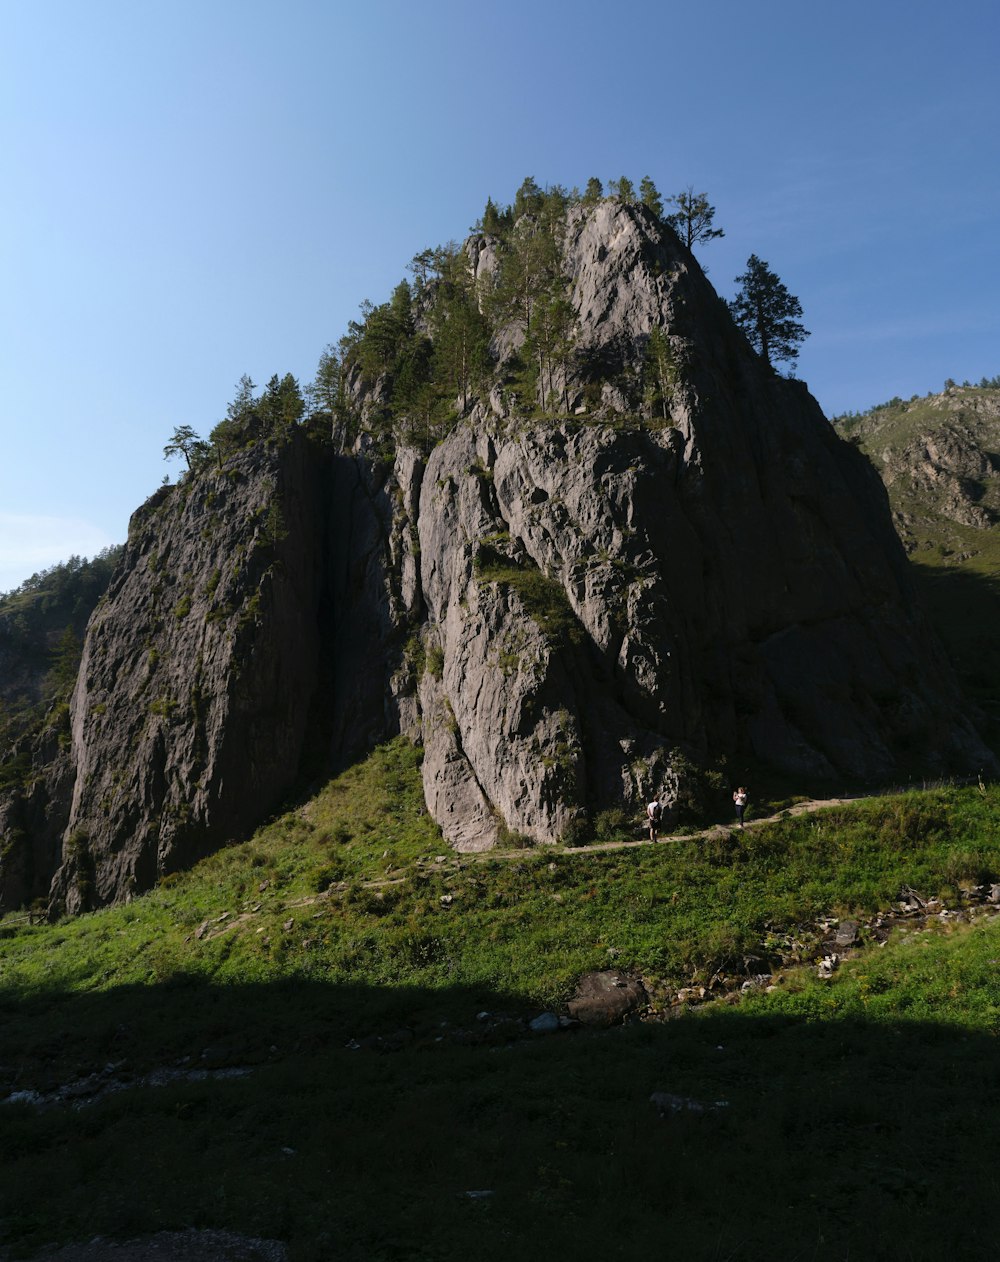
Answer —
713 830
675 838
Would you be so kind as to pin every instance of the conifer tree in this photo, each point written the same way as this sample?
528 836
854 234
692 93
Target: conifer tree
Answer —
623 190
461 343
401 304
649 196
381 336
241 424
243 408
593 192
412 372
281 406
692 220
555 201
527 266
184 442
551 341
492 224
528 199
767 313
326 395
660 373
421 265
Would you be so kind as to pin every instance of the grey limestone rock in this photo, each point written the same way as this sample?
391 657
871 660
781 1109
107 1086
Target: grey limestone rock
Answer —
193 696
556 608
724 580
545 1023
255 628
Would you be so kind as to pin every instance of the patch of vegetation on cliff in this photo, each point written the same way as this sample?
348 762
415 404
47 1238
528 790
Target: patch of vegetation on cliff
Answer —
544 598
492 317
253 999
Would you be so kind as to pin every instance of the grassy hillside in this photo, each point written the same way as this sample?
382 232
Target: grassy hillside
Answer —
939 457
309 1003
42 624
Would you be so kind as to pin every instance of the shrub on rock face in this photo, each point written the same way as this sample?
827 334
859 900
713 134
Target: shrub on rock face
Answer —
511 839
434 660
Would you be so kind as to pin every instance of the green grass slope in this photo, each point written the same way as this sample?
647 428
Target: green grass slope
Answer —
860 1114
939 457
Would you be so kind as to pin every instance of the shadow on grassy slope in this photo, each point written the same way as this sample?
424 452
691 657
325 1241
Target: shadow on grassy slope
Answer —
841 1138
964 607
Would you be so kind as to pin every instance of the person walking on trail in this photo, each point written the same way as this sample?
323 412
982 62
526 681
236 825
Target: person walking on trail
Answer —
654 814
740 799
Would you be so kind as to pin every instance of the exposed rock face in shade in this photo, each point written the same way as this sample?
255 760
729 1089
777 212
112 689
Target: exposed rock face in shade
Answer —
33 822
939 457
198 673
252 635
552 608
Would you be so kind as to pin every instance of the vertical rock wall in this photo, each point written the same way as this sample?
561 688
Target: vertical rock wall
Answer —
198 673
728 578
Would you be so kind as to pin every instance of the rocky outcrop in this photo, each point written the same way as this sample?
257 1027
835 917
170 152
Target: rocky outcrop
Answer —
951 468
606 997
33 817
566 613
254 634
598 600
939 457
725 580
198 673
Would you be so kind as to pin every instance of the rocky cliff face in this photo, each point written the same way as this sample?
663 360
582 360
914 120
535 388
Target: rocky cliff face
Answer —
554 608
724 581
601 599
198 673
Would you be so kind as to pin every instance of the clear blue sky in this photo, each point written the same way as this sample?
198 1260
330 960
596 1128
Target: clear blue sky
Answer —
193 191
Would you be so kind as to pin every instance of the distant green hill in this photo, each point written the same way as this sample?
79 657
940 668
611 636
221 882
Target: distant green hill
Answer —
939 457
42 623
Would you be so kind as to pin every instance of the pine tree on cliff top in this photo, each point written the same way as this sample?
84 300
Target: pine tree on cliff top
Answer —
767 313
693 218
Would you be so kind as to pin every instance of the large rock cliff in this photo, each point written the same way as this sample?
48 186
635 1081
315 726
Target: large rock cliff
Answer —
600 599
555 608
198 673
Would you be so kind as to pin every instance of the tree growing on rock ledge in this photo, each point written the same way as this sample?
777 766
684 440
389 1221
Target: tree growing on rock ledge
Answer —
185 442
767 313
693 218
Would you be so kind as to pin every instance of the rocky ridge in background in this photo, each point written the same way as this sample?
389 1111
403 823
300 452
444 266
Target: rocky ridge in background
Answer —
939 457
565 613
